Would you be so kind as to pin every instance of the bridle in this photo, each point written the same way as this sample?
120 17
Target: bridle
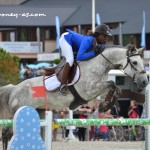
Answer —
128 62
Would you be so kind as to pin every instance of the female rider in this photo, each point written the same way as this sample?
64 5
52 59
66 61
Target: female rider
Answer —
86 47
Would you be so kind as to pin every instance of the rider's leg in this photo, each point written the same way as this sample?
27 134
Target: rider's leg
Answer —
67 52
65 73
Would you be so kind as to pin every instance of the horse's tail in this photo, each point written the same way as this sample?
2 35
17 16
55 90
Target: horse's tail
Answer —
5 92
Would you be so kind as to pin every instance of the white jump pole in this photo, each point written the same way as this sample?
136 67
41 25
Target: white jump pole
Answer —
93 15
48 130
147 98
71 135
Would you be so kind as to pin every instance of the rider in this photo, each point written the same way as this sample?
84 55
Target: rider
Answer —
86 47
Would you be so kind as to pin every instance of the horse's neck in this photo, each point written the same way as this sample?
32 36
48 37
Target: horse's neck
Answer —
115 55
95 71
100 65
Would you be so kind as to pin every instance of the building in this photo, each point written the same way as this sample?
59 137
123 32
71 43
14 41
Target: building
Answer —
34 20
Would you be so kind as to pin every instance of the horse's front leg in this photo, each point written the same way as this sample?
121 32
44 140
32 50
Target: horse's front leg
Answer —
110 94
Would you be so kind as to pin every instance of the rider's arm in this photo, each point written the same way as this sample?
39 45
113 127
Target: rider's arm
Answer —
84 47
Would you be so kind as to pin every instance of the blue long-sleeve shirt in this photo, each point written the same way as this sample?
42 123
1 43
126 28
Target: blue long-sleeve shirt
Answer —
80 44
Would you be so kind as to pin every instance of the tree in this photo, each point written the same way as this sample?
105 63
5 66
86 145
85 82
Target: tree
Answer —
56 61
9 68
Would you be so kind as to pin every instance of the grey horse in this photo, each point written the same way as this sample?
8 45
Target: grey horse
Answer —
92 83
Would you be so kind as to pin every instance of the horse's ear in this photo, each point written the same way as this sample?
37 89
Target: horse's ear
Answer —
141 51
131 49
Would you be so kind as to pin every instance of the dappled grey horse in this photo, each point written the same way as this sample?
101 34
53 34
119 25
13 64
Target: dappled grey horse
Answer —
92 83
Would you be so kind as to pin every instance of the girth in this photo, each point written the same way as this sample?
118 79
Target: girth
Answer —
78 100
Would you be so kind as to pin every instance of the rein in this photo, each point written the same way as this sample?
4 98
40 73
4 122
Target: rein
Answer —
128 62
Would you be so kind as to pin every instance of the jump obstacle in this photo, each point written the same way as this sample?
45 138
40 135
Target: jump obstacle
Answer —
47 123
88 122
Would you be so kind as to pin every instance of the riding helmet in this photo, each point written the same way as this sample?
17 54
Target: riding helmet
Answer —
103 29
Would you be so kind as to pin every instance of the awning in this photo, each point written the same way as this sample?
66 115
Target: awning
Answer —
25 55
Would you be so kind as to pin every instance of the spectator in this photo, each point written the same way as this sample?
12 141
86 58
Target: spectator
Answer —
28 73
96 134
133 111
115 110
56 115
7 134
143 112
104 128
83 110
95 108
65 130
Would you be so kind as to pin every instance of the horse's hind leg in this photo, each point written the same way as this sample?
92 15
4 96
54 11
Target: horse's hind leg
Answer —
112 92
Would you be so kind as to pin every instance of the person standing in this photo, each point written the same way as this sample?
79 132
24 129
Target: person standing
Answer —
104 128
133 111
95 111
115 110
83 110
56 115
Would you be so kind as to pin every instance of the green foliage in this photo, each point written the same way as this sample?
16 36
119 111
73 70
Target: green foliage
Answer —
56 61
9 68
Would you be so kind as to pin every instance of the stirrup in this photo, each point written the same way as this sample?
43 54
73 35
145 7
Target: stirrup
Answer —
61 89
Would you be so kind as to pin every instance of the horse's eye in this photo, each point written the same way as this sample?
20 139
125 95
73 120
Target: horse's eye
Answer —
134 62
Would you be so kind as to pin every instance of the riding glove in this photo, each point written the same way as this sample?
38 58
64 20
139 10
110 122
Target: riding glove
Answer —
98 49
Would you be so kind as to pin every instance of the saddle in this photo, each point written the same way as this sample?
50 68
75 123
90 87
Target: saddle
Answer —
59 70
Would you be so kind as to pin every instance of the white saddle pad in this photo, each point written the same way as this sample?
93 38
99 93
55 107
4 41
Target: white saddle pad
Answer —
51 83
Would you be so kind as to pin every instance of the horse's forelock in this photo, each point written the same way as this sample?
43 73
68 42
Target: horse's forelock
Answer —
107 46
131 50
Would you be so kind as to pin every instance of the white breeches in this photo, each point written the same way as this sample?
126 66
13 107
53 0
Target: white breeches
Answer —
66 49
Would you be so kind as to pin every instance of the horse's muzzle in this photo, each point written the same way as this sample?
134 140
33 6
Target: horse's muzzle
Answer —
141 81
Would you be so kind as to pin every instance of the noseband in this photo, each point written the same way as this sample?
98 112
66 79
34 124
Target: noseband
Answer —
128 62
132 67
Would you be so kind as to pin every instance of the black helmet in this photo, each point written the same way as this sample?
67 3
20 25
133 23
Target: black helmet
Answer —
103 29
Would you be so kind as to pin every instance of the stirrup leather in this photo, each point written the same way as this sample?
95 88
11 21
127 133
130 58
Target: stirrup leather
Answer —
62 86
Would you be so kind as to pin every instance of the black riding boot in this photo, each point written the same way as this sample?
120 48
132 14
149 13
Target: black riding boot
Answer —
64 78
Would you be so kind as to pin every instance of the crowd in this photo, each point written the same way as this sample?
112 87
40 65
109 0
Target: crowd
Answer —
92 111
27 73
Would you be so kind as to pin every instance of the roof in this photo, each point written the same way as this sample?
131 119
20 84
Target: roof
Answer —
78 12
128 12
21 16
11 2
134 26
46 11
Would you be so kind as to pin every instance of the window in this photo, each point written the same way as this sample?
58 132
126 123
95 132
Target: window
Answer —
119 80
47 34
23 34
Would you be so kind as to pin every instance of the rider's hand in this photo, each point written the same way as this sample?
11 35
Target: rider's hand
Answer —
98 49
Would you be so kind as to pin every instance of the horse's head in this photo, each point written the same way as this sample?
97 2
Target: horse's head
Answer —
134 66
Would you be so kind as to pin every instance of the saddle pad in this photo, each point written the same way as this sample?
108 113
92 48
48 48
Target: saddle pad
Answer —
52 83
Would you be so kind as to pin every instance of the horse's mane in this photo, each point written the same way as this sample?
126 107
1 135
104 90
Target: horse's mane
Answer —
114 46
5 92
130 49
